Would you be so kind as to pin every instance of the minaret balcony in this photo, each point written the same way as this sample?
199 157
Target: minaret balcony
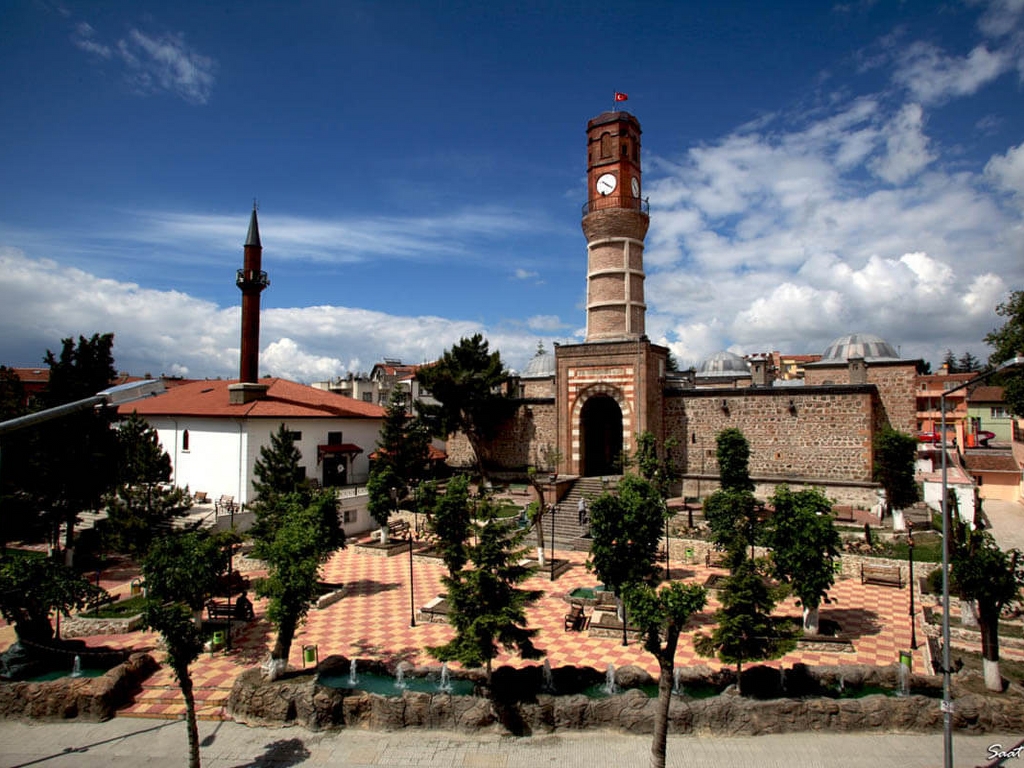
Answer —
628 202
250 278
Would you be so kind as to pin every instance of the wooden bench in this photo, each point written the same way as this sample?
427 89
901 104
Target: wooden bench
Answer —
224 505
575 619
884 575
200 497
219 609
844 514
716 559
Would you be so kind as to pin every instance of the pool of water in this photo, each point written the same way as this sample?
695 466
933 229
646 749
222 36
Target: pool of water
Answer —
386 685
56 674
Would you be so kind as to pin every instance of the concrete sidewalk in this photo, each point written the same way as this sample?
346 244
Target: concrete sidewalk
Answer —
137 743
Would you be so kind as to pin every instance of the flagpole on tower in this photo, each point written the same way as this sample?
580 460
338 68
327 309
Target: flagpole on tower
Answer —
619 96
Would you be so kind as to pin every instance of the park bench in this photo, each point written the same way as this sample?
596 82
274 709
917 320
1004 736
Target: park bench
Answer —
884 575
225 505
575 619
844 514
200 497
716 559
219 609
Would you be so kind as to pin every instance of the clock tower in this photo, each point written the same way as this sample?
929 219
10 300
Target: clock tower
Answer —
610 388
615 221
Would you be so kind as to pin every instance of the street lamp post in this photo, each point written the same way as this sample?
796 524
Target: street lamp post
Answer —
913 617
947 704
412 583
551 513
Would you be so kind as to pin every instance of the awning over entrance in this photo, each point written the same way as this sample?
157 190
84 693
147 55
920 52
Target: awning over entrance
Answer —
344 449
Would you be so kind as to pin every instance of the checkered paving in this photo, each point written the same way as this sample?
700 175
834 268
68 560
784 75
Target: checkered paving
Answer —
373 620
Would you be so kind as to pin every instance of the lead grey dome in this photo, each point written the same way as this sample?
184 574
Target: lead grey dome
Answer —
541 365
865 345
724 364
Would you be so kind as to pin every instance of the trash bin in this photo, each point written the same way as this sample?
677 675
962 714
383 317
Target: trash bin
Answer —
309 655
218 638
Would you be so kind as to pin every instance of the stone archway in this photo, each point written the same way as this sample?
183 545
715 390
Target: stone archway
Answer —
601 436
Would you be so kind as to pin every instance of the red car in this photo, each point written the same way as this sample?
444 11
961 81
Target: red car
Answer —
929 437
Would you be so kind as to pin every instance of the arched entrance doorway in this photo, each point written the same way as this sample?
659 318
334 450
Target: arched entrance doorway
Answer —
601 436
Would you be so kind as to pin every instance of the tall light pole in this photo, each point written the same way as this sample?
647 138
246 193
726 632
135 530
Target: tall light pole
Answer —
910 555
947 703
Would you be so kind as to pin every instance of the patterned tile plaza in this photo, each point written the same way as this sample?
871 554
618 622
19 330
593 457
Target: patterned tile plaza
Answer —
373 621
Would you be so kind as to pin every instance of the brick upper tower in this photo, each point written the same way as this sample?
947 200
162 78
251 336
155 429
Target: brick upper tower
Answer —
615 221
252 281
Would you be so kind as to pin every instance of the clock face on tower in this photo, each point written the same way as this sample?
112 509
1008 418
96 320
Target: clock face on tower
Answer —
606 184
636 187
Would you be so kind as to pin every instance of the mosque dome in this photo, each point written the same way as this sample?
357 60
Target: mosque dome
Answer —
541 365
724 364
865 345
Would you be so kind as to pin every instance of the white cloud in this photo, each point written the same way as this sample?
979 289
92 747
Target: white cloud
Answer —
931 76
906 147
524 274
1006 171
153 64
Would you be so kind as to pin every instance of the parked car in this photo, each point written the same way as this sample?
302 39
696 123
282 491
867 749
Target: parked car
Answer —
929 437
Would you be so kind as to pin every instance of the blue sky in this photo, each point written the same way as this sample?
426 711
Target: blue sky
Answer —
813 170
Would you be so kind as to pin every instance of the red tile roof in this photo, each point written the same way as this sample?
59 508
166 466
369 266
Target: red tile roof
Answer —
990 462
284 400
986 394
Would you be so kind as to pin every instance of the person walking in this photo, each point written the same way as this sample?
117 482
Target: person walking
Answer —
581 511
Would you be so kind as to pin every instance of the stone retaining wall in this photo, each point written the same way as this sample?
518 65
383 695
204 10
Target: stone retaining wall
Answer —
298 699
81 626
87 698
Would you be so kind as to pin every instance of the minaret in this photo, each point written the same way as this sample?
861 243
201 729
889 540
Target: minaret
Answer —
251 280
615 221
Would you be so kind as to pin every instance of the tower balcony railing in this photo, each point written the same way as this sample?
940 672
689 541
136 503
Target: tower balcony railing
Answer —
618 201
251 278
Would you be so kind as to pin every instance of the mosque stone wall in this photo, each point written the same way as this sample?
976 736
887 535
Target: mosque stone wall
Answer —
523 440
824 436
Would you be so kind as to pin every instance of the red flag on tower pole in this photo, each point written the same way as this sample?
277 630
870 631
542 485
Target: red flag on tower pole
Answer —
621 96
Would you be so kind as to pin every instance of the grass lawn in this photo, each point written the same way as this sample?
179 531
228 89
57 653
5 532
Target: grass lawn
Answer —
122 609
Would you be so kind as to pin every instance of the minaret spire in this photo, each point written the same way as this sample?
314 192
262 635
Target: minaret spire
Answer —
252 281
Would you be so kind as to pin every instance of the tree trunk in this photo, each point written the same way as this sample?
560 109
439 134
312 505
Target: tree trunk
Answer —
810 620
384 534
988 620
185 683
283 643
659 742
540 553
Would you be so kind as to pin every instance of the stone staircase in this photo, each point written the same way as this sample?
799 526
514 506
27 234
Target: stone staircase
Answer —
569 534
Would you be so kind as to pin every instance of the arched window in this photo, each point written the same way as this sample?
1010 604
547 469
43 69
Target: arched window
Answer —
184 440
606 145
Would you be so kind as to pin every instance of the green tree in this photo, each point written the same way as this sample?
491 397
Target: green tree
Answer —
991 579
745 628
32 589
451 523
185 567
732 511
487 607
399 462
75 455
895 456
968 363
12 394
306 536
661 616
180 573
277 475
804 545
143 504
626 530
1007 342
733 453
949 362
467 385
